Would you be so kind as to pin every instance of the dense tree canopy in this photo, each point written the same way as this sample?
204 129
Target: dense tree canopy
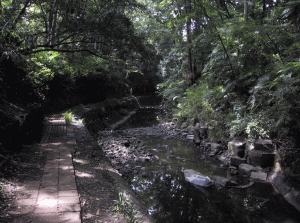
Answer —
74 38
234 64
97 27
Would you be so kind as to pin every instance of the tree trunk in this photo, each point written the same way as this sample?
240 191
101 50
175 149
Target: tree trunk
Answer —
264 11
190 75
245 11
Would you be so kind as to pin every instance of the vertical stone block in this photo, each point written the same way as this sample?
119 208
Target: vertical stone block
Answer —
237 148
263 144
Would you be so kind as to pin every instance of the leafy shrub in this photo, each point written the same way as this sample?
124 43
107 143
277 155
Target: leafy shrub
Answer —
172 91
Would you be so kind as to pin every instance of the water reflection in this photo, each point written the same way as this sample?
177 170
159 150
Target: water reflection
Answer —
169 198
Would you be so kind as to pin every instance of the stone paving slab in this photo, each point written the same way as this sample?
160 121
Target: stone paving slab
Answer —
54 197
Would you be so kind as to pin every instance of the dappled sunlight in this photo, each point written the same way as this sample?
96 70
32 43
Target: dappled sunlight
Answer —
46 191
70 143
77 122
81 161
56 121
9 187
114 171
87 175
67 167
48 202
49 149
111 169
277 171
55 144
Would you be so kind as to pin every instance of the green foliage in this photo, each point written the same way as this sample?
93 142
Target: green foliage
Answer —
172 91
89 45
125 206
68 117
205 104
248 72
239 74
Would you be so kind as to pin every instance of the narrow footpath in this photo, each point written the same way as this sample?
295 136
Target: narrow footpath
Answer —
74 182
54 197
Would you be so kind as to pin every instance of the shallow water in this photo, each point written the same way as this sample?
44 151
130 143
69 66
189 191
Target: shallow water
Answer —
169 198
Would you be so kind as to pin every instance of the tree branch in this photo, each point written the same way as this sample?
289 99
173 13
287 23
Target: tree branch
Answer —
44 17
59 44
17 19
66 51
21 13
276 47
219 37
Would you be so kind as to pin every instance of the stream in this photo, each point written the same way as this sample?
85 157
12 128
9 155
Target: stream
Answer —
169 198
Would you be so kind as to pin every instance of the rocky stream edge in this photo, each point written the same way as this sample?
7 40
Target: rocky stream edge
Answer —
257 161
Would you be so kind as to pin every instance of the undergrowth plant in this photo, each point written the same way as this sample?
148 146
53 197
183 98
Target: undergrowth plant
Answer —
68 117
125 206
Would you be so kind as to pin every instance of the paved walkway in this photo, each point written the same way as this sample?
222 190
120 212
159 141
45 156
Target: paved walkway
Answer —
54 198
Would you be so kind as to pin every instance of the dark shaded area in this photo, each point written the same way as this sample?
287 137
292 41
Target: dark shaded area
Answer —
15 84
24 102
142 84
25 166
20 114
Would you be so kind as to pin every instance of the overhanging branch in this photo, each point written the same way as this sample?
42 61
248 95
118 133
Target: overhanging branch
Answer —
67 51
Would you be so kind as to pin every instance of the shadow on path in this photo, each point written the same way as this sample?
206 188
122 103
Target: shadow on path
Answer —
53 197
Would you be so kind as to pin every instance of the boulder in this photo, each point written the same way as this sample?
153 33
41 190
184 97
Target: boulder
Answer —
224 157
184 134
215 148
263 144
223 181
236 161
237 147
260 158
247 169
190 137
259 176
197 178
184 125
190 129
233 170
184 130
